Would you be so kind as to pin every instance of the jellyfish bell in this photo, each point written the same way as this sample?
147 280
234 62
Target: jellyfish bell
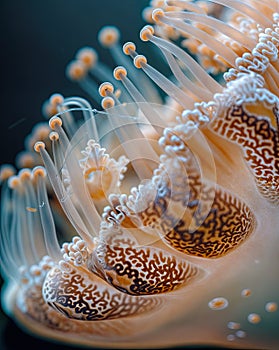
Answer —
155 224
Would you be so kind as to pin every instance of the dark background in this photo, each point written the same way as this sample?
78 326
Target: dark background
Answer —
38 39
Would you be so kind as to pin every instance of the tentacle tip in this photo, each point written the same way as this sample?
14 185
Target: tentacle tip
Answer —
39 171
88 56
107 102
56 99
76 70
53 136
146 33
25 174
108 36
157 15
39 146
129 48
119 73
55 122
13 182
105 88
139 61
6 171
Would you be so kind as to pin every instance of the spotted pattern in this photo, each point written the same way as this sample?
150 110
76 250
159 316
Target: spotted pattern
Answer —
227 225
139 270
208 226
260 144
179 192
196 217
78 294
36 308
42 313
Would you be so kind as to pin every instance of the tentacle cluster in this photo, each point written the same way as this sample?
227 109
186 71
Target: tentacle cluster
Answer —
133 247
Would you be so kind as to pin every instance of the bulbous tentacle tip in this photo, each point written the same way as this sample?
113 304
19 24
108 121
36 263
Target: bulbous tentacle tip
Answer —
88 56
108 36
6 171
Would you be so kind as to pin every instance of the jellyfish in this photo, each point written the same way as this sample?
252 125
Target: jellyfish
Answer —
151 220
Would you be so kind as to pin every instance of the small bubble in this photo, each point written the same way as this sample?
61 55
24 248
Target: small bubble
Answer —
246 293
271 306
41 205
218 303
31 210
230 337
233 325
24 280
254 318
240 334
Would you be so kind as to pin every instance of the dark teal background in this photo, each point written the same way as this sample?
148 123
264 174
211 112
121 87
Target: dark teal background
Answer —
38 39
